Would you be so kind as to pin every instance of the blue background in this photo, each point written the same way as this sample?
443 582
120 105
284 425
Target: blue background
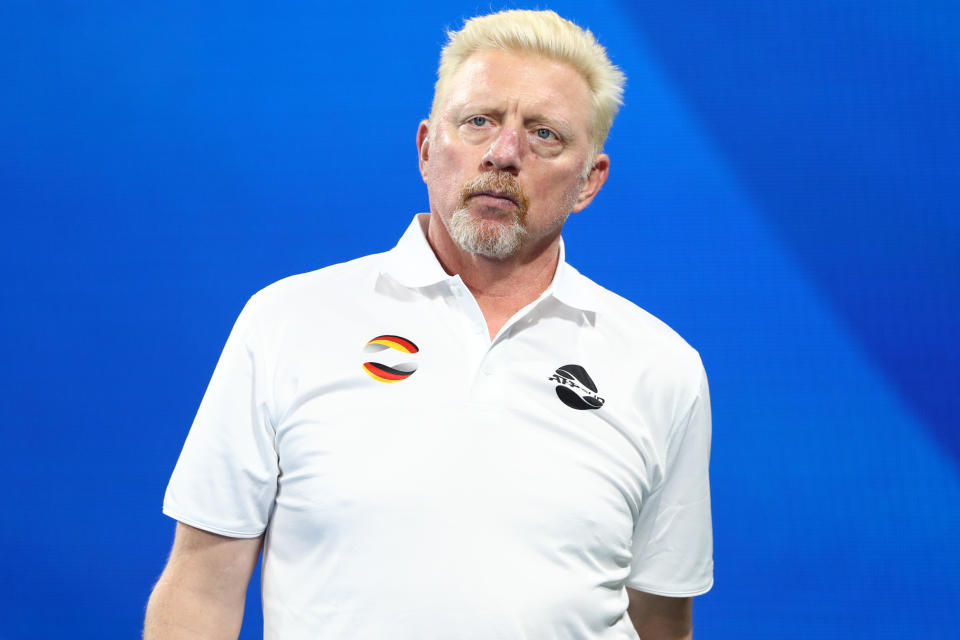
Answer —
783 193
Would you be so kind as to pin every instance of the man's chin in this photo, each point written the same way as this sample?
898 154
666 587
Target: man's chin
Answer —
492 237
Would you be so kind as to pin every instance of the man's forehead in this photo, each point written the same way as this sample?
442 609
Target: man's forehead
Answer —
492 75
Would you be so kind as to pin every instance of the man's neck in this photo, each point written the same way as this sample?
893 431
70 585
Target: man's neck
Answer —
500 287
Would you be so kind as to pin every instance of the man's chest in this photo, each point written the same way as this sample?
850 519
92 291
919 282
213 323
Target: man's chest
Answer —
535 440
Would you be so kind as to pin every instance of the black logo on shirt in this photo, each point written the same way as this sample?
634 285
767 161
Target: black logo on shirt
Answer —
575 388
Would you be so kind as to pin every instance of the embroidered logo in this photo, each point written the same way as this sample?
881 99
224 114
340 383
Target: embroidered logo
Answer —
575 388
384 346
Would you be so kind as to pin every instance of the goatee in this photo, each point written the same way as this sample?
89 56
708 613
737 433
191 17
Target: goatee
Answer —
493 238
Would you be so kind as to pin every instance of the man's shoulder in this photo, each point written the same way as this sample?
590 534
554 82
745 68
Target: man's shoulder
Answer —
637 329
312 299
322 285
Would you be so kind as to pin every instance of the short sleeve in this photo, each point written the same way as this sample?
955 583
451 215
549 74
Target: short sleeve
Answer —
673 538
226 477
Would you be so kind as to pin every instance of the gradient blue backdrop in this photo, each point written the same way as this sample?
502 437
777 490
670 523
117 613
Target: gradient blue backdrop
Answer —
783 193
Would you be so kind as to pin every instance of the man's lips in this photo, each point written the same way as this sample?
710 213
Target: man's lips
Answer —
496 198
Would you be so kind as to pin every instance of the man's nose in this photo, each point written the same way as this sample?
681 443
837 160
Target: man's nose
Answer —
505 152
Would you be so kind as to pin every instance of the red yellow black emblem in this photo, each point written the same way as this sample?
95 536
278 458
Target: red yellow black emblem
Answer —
392 372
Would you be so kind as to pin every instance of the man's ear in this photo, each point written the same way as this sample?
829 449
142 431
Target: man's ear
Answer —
596 178
423 146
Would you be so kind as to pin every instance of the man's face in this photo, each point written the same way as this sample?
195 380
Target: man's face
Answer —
506 155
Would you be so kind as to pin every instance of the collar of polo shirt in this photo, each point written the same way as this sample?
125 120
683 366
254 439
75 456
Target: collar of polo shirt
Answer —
413 264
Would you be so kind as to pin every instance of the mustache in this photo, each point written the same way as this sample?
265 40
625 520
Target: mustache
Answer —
497 183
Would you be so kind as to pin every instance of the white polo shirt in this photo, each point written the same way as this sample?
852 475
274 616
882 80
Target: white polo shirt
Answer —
417 480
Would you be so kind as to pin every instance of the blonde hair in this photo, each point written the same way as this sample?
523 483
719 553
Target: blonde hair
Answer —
543 33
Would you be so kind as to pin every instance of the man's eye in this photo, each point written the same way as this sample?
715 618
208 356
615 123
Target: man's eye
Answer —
478 121
545 134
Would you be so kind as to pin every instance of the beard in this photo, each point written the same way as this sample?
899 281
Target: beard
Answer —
503 236
498 238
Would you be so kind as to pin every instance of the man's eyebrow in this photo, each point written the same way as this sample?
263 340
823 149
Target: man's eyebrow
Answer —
478 106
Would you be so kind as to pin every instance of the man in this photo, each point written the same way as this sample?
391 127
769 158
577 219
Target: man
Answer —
462 437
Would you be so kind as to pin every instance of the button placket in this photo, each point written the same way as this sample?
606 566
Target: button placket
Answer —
486 367
469 329
468 305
